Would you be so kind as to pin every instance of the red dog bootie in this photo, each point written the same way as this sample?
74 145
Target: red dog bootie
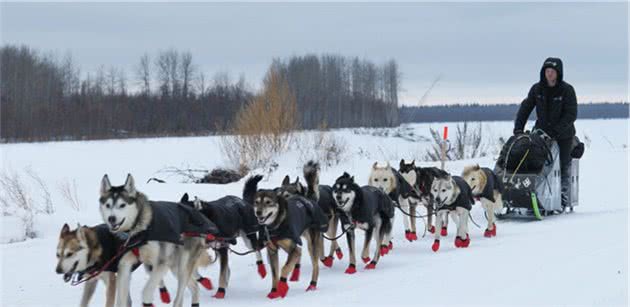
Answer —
366 259
205 282
339 253
312 286
432 229
414 236
494 230
371 266
283 287
328 261
436 245
390 246
165 297
262 271
295 275
444 231
351 269
465 243
383 251
220 294
408 235
273 294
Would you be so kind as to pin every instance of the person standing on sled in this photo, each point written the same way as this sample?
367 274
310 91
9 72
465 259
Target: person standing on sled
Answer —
556 111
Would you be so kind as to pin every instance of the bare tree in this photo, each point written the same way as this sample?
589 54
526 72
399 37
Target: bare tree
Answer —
187 70
143 73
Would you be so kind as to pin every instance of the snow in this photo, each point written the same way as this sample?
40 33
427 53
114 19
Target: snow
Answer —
574 259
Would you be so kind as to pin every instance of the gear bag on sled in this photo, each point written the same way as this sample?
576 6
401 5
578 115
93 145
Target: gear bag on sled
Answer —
529 167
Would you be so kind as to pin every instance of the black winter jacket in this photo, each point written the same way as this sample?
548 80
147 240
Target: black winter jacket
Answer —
556 107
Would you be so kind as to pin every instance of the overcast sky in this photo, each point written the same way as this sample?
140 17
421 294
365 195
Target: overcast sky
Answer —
484 52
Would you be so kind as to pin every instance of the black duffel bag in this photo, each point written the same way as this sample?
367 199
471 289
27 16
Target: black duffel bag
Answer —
530 150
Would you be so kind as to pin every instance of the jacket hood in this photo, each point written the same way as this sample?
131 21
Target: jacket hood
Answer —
554 63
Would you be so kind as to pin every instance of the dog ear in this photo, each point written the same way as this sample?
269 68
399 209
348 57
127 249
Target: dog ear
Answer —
352 178
413 163
299 188
286 180
374 166
105 185
387 165
402 163
64 230
81 233
130 186
184 198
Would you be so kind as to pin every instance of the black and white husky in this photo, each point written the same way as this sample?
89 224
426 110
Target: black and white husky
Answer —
234 218
421 179
400 191
452 196
164 235
486 187
284 221
327 204
369 209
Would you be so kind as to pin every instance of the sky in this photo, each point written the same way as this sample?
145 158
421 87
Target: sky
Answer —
481 52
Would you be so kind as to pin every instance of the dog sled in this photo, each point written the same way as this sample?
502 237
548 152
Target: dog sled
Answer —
529 166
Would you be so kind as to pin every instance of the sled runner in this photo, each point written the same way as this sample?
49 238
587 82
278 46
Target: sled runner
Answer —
529 166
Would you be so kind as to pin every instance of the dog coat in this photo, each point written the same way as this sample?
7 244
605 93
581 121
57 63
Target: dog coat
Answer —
403 188
465 199
301 215
493 183
326 201
373 201
231 215
170 220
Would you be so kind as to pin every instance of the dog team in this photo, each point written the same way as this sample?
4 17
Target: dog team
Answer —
167 236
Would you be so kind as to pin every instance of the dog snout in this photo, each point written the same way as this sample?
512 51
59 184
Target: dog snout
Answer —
111 219
259 212
438 200
59 270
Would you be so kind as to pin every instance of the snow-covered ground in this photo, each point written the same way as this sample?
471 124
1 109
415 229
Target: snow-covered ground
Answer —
574 259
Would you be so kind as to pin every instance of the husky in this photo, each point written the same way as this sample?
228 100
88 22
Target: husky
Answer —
162 235
234 218
327 204
452 196
86 251
400 191
284 221
368 208
487 188
421 179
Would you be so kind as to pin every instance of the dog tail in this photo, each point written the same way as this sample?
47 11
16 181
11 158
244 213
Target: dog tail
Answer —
311 174
204 259
251 186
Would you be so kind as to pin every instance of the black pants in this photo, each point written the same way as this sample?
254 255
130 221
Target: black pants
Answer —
566 145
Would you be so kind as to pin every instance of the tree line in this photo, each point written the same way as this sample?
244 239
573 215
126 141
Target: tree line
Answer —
500 112
47 97
339 91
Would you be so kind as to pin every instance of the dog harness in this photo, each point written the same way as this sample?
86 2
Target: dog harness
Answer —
492 183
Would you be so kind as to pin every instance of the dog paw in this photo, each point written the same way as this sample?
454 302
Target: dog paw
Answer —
295 275
328 261
365 259
339 253
205 282
220 294
351 269
432 229
371 266
436 245
283 287
487 233
444 232
408 235
465 243
165 297
262 271
312 286
414 236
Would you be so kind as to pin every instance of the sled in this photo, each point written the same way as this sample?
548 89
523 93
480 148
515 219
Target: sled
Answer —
536 195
